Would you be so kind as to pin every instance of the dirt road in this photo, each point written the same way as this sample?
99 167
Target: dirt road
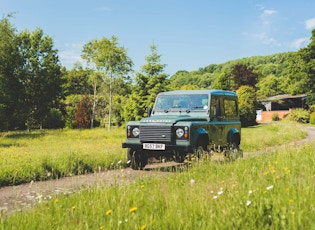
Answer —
17 198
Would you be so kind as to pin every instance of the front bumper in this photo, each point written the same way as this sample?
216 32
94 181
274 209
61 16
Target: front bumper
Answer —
137 146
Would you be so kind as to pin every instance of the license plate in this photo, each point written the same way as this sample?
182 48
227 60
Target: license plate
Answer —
153 146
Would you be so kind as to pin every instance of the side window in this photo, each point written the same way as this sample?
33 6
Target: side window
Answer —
215 109
230 108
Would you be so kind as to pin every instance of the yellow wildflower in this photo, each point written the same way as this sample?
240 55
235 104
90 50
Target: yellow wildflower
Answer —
108 212
56 201
143 227
133 209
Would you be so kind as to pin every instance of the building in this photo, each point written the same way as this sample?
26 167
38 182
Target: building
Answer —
281 105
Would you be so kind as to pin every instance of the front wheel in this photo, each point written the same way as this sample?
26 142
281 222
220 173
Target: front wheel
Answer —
136 159
233 152
200 151
179 157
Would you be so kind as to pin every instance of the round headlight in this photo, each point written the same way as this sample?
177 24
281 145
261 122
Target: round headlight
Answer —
179 132
136 132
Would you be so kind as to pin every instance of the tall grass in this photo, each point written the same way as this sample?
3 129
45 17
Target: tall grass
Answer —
267 135
270 191
42 155
50 154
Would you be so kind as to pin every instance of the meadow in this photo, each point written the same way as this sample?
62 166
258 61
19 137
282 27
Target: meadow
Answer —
50 154
275 190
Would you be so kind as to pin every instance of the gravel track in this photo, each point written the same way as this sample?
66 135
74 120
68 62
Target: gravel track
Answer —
20 197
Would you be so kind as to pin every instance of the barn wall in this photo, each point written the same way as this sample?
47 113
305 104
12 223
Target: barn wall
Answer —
266 116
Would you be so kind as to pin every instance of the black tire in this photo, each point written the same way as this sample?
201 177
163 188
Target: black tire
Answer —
200 150
179 157
233 152
136 159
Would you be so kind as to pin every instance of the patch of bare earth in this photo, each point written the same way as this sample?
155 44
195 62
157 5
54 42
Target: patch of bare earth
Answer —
18 198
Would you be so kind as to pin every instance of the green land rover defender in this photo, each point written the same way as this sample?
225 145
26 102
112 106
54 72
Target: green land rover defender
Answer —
186 122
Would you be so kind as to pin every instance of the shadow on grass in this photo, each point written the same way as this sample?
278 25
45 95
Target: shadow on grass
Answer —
171 166
12 138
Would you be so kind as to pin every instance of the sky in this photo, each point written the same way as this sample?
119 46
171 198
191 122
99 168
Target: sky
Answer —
188 34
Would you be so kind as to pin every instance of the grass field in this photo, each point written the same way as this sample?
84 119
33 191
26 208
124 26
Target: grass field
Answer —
42 155
270 191
50 154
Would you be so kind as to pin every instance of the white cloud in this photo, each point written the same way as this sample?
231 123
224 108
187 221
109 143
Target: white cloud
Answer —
265 39
71 54
103 9
266 14
69 57
299 43
310 24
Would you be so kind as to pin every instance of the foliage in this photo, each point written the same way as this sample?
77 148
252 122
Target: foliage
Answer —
310 100
76 81
40 74
270 86
111 60
148 83
312 118
302 69
312 108
247 105
183 79
54 120
223 81
243 75
30 77
299 115
275 117
259 192
83 115
11 88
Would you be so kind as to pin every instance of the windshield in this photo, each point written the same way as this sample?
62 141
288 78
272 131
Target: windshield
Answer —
167 103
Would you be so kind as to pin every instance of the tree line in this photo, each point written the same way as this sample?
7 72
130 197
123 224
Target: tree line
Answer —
36 91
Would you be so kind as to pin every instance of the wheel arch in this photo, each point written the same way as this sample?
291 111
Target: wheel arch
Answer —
234 136
201 136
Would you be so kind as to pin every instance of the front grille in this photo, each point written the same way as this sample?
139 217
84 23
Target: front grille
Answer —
155 133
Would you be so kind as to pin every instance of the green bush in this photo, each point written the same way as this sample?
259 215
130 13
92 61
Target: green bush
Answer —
247 105
299 115
312 118
275 117
54 119
312 108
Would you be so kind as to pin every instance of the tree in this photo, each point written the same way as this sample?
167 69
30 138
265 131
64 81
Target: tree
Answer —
109 58
76 81
148 83
243 75
247 105
40 75
11 88
270 86
83 115
223 81
301 69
